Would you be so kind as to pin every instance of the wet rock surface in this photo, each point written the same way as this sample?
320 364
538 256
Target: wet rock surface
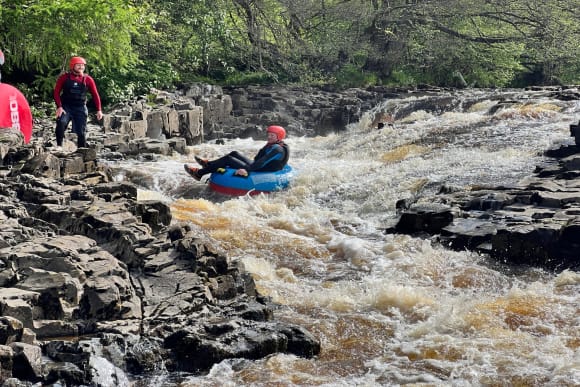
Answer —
98 288
537 223
81 259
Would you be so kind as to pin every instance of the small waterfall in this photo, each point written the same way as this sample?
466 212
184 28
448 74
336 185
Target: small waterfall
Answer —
392 309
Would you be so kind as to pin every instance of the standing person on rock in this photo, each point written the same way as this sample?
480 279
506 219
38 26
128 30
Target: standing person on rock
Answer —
272 157
70 96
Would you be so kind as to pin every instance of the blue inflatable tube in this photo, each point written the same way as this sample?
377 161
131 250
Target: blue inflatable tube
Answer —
226 182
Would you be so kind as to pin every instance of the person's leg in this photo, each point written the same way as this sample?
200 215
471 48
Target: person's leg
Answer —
232 160
200 161
242 158
61 124
79 124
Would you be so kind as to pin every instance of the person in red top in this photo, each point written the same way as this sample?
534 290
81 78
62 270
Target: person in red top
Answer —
70 95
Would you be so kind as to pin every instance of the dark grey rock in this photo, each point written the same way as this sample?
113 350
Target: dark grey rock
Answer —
537 224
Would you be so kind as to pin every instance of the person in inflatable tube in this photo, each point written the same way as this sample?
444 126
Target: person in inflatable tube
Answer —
272 157
70 96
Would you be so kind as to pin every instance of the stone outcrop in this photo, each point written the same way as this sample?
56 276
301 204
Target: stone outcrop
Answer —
97 287
536 224
201 112
302 111
139 120
575 132
9 137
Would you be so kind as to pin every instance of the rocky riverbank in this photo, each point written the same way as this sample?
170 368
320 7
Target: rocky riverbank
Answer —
536 224
99 288
90 275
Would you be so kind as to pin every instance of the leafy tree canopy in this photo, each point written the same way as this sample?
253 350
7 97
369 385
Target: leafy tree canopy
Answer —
133 45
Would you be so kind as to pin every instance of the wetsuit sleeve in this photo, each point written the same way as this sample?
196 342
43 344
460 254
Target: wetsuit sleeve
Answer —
265 156
57 89
92 86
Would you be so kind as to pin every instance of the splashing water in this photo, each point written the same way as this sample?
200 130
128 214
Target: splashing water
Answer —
392 309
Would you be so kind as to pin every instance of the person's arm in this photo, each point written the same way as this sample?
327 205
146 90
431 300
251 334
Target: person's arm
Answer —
92 86
56 95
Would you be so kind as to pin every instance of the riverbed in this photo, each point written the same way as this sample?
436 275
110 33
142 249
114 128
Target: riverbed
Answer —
391 309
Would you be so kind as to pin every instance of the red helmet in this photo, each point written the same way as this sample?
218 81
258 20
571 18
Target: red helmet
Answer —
278 130
76 60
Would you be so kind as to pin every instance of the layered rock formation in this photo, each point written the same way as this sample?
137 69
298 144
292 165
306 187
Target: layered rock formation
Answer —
535 224
98 288
203 112
88 271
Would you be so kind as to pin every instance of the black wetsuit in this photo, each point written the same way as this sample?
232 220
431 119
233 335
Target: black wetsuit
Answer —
70 93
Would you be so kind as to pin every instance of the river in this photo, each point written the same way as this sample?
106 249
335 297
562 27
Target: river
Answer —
392 309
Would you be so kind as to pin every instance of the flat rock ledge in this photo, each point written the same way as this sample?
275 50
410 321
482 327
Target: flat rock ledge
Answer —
97 288
536 224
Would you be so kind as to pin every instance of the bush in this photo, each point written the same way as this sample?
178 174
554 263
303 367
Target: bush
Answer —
116 86
401 78
249 78
352 76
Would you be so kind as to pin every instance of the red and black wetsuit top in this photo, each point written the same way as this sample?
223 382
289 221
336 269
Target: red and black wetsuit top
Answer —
71 89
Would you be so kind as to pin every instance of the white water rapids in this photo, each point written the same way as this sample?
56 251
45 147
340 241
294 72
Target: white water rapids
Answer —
391 309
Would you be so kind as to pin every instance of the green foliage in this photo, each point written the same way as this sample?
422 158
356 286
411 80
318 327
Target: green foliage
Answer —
134 45
249 78
44 34
449 61
553 45
39 37
400 77
116 86
351 75
42 110
570 75
28 92
195 37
